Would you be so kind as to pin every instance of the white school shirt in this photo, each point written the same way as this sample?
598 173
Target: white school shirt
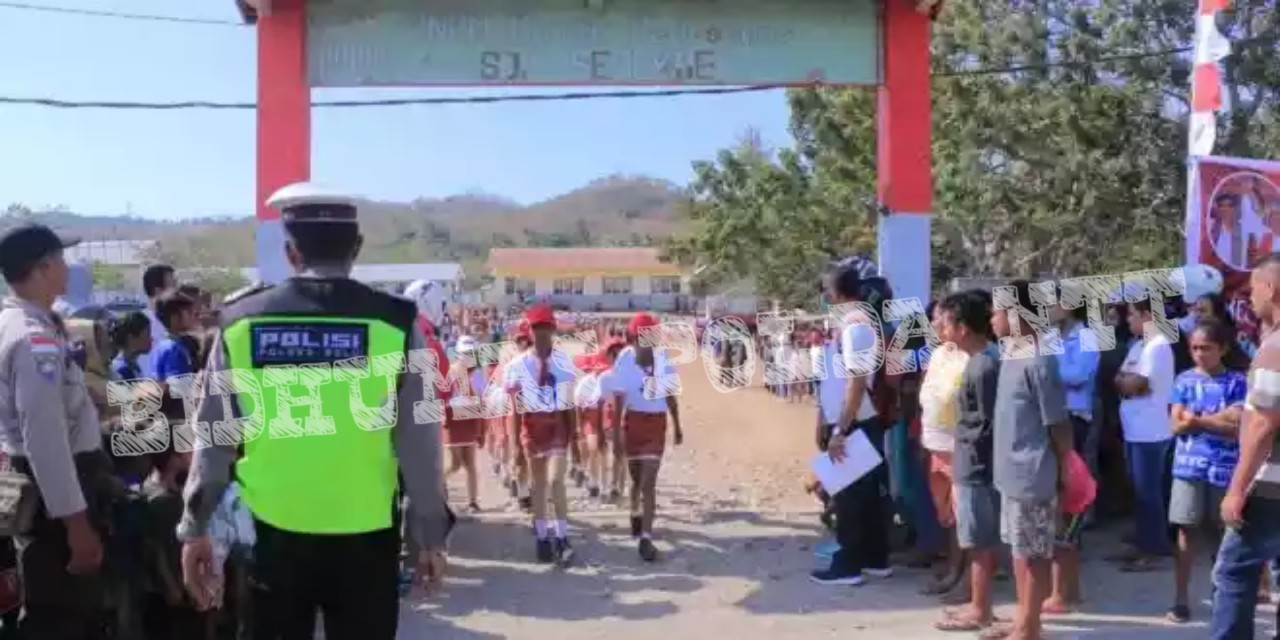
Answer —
627 381
588 394
1146 418
522 380
838 359
469 403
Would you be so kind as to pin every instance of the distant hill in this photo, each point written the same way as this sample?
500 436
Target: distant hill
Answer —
610 211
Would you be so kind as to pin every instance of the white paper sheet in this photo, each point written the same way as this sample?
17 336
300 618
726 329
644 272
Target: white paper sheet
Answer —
860 458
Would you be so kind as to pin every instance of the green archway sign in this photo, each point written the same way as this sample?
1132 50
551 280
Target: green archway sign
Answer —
356 43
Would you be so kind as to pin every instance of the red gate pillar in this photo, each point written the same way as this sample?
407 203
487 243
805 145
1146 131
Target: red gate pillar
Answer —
284 123
904 160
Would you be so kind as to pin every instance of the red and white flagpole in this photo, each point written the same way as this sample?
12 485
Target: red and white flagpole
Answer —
1210 48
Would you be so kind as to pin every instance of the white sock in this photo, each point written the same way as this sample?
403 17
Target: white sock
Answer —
540 528
561 528
646 536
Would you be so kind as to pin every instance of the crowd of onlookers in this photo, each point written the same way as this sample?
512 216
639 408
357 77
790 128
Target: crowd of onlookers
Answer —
986 452
992 451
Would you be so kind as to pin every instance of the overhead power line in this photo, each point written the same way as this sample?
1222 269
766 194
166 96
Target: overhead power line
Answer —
393 102
96 13
570 96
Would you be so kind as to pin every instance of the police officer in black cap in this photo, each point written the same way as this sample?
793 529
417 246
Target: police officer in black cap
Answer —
322 489
49 429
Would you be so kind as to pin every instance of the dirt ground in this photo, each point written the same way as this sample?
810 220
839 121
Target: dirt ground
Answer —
737 533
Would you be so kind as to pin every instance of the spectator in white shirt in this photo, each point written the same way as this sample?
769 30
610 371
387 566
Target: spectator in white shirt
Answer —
1145 383
157 280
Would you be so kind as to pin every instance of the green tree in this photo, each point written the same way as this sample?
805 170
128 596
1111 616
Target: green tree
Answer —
1071 163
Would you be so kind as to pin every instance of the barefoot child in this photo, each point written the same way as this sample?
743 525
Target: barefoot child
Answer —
1077 496
965 321
1207 405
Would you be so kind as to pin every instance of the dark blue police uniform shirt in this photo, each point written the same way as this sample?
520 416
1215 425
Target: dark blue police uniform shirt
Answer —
171 358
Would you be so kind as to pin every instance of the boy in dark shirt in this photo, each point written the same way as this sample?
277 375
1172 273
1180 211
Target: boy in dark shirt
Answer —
966 322
168 612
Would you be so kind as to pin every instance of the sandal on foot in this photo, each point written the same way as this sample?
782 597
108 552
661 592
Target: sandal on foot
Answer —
1179 614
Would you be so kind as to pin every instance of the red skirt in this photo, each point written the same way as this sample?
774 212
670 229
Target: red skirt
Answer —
644 435
543 433
462 433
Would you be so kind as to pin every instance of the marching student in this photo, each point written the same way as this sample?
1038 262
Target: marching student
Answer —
463 422
544 418
590 404
639 384
513 454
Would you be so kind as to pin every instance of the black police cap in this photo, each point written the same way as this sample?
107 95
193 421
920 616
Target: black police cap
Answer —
24 246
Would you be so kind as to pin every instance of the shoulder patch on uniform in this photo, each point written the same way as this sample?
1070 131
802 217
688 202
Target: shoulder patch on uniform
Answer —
240 294
44 343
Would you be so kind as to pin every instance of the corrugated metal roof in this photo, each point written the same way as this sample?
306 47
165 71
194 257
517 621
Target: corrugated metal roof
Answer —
585 258
397 272
113 252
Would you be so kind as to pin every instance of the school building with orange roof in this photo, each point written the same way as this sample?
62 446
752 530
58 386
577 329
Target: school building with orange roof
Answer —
588 278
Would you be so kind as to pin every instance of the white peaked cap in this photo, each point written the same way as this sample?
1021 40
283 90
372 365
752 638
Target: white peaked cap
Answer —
304 193
428 297
1202 280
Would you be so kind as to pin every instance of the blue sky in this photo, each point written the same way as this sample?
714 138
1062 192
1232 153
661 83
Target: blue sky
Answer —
201 163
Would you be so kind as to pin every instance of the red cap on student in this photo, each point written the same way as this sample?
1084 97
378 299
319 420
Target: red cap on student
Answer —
540 314
640 321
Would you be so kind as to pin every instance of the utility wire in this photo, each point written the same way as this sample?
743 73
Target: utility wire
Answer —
394 102
116 14
565 97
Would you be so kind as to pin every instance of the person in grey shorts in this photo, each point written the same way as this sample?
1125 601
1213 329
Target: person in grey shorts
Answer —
966 322
1032 438
1208 402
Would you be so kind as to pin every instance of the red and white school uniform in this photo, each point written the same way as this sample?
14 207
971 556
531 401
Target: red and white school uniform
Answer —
464 409
590 403
543 391
644 419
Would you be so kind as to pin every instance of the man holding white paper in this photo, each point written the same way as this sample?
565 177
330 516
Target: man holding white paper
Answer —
862 508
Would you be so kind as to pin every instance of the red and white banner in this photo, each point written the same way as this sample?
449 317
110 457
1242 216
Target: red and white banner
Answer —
1233 219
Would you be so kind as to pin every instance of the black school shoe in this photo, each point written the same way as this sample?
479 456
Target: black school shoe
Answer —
637 526
526 504
563 552
648 551
546 552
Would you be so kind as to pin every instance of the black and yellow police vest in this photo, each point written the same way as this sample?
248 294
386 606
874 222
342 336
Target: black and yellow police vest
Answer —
333 471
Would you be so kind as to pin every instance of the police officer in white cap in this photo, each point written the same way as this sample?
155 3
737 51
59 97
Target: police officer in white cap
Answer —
51 434
322 488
